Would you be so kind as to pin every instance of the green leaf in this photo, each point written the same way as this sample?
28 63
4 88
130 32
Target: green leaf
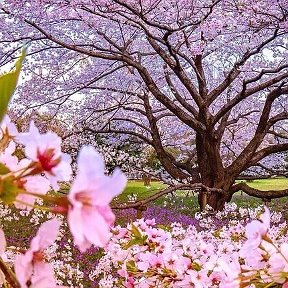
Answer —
195 266
8 82
164 227
136 232
132 242
3 169
131 266
8 190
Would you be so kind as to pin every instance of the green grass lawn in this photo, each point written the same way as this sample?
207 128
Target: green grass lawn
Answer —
269 184
137 187
187 203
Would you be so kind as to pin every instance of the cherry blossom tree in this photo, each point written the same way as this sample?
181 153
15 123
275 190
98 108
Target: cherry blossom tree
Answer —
208 78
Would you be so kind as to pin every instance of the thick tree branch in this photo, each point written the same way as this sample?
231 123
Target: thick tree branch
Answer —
177 95
165 158
259 155
144 202
178 70
271 194
241 162
119 131
245 93
235 71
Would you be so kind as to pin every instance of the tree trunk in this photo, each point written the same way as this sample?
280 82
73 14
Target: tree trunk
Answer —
215 200
147 180
212 173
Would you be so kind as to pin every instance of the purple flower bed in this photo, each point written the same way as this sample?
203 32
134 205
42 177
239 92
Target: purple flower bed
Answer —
162 216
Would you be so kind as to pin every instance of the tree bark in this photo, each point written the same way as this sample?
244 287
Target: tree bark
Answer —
212 173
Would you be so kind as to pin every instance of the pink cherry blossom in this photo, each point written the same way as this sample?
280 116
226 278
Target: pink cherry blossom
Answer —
35 184
9 160
256 229
90 216
2 242
194 279
8 128
2 250
31 267
278 264
45 151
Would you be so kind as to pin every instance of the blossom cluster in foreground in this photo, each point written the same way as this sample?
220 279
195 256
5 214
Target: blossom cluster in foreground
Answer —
235 255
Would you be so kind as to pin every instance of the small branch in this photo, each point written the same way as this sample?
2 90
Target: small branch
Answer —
10 277
280 135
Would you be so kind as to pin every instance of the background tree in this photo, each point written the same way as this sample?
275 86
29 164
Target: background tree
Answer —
117 151
209 77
